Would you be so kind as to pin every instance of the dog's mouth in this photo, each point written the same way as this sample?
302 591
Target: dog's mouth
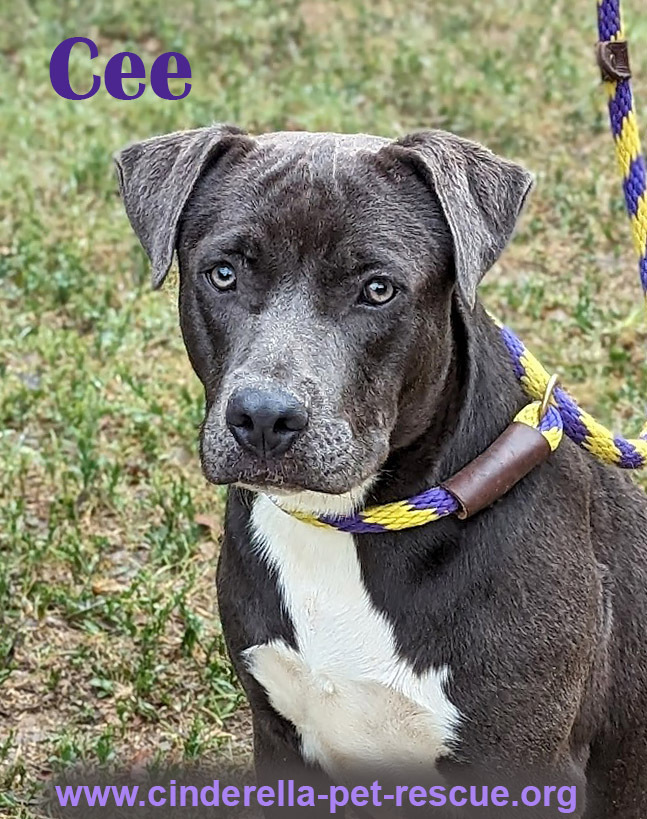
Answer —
284 478
277 482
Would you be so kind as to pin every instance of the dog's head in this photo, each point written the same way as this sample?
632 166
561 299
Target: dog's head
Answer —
318 274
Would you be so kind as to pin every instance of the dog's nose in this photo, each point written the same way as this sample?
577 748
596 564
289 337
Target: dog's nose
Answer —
265 422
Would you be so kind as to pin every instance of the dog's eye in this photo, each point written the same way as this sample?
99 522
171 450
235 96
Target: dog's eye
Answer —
378 291
222 277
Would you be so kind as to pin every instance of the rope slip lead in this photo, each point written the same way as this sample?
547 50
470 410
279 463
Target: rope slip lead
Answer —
538 428
613 59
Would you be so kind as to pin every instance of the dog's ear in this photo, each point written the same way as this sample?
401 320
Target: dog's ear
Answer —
156 178
480 193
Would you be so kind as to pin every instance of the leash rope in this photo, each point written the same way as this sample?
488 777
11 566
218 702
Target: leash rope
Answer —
553 412
624 127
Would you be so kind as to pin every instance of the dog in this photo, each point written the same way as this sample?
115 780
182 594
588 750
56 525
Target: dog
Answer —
328 304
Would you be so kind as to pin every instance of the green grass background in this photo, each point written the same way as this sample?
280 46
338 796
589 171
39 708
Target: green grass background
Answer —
110 648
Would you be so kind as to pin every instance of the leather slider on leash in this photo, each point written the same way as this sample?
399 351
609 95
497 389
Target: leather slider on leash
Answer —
486 479
613 60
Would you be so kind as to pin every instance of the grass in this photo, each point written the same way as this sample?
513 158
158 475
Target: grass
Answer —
110 647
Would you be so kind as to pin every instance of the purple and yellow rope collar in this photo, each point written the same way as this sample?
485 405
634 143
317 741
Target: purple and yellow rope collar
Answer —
560 414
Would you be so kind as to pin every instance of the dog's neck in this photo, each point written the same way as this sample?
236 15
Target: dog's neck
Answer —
480 397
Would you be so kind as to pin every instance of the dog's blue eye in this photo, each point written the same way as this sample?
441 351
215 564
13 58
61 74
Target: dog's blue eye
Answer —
222 277
378 291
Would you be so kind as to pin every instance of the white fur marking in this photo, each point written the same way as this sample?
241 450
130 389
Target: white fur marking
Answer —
351 697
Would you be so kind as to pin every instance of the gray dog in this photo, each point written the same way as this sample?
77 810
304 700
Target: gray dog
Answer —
328 305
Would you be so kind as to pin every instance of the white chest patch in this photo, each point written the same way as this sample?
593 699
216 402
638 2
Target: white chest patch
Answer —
352 699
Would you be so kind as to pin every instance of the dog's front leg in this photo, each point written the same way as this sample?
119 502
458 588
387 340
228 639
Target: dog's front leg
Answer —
277 756
501 788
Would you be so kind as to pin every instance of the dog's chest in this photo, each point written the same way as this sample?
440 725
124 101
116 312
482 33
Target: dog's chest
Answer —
345 688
